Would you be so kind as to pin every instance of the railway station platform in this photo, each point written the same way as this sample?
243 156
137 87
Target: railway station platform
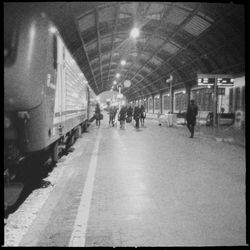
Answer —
152 186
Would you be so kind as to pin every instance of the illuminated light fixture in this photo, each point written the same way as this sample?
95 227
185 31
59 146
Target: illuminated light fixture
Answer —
123 62
209 86
117 75
135 32
169 79
184 91
127 83
231 80
115 82
52 29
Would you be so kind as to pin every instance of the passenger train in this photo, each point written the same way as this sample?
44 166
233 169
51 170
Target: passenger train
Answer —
47 99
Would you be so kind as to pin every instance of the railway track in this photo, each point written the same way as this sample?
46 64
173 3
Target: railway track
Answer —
27 181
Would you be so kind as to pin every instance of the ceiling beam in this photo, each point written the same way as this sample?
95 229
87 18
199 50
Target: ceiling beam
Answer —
83 45
113 36
188 63
155 33
214 26
181 83
98 42
184 22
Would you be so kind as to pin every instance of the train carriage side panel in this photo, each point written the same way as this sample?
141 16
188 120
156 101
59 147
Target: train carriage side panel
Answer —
58 119
92 102
74 94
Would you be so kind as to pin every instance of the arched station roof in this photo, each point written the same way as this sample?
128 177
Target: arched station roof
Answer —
178 38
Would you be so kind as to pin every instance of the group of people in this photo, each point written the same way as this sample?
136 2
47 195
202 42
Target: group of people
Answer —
127 113
138 113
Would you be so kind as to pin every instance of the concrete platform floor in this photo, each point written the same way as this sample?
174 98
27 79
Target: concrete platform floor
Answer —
148 187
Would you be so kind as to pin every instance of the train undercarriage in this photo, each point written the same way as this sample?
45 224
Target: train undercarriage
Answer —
21 169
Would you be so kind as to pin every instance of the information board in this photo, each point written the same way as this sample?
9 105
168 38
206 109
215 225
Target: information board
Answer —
209 79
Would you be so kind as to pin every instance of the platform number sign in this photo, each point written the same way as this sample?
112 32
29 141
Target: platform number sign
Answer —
225 81
206 81
212 79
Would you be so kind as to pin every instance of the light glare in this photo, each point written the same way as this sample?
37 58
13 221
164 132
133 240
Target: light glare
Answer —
52 29
134 33
123 62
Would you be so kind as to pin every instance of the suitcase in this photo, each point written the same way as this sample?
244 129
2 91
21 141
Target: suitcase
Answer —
128 119
92 118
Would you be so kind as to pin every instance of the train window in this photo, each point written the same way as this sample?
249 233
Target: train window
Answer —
166 102
150 105
12 20
55 51
203 98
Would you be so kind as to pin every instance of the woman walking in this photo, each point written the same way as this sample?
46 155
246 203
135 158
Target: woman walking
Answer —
122 116
98 115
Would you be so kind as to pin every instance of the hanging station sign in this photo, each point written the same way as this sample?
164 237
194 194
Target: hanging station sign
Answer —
212 79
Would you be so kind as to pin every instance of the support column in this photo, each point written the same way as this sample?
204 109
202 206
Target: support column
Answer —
153 98
215 103
161 103
171 97
147 103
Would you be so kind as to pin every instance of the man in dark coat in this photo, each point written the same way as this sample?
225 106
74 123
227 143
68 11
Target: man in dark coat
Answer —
97 115
143 115
122 116
137 115
129 113
192 112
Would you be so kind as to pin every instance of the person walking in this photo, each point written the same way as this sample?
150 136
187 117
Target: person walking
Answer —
122 116
111 116
192 112
137 114
98 115
115 116
143 115
129 113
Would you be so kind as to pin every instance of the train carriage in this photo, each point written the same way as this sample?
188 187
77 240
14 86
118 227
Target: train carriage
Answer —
46 96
